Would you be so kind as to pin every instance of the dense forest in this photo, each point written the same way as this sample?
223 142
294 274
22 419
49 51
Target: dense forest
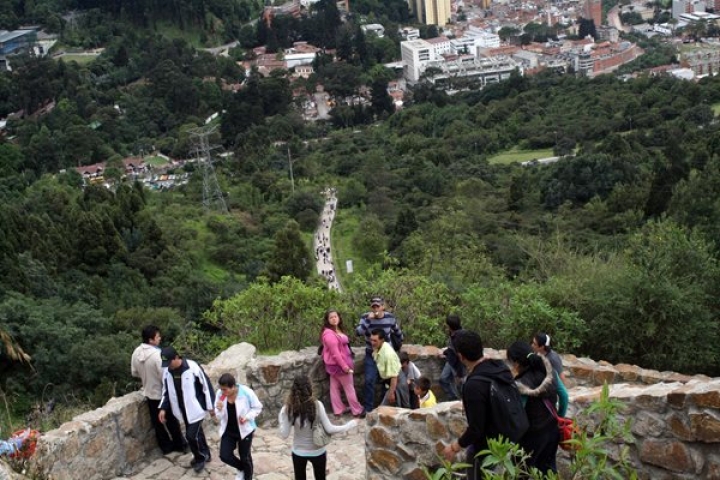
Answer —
611 249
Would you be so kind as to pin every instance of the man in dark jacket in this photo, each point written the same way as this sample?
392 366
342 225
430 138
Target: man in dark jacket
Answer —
476 399
453 371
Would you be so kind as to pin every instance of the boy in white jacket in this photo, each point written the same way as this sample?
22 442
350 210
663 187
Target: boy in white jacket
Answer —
188 393
237 407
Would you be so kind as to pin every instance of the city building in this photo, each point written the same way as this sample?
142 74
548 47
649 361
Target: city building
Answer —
416 55
433 12
15 42
375 29
592 10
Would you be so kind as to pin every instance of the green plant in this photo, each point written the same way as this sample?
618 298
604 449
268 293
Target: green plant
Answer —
601 451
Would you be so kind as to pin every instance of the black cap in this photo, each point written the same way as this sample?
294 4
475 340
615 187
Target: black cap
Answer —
167 354
377 301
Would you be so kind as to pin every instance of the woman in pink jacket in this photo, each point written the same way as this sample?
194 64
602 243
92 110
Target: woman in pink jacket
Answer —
339 364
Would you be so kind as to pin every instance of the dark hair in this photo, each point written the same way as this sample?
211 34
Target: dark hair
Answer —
404 357
522 354
543 339
423 383
227 380
326 321
469 344
300 402
380 333
453 322
149 332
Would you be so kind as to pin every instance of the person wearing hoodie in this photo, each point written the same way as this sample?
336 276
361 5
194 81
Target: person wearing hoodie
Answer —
237 408
145 364
476 400
188 394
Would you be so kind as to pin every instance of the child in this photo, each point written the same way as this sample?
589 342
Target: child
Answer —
411 373
424 394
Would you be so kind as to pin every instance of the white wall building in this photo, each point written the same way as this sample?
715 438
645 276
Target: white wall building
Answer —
440 45
416 54
375 29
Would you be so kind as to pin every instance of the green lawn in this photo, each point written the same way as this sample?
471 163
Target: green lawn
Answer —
516 156
76 57
715 108
156 161
343 228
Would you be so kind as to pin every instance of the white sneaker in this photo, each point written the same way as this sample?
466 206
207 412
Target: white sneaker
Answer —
240 475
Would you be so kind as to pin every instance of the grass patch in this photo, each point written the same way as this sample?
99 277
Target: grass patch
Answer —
715 108
515 156
190 34
343 228
156 161
79 58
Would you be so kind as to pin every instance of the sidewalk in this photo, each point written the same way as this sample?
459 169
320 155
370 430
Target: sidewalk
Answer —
271 457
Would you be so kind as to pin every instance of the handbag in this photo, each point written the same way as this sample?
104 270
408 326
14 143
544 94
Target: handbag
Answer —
567 428
320 437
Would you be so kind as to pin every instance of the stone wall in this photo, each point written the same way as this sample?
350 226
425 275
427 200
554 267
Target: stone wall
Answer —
676 418
676 423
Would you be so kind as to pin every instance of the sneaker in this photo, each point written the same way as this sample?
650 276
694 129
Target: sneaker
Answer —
199 466
240 475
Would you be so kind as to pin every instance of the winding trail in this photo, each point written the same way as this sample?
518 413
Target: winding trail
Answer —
321 241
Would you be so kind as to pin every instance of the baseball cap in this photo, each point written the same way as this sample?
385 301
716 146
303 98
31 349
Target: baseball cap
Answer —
167 354
377 301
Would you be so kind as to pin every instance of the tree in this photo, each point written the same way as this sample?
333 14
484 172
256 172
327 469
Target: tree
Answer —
290 256
370 241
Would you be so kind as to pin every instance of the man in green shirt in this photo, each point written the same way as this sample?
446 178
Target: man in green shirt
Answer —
388 365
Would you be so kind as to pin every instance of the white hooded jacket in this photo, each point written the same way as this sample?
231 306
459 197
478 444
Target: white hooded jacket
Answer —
146 365
247 405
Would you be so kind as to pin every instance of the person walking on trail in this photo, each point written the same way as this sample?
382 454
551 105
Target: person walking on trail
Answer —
301 411
146 365
377 318
476 400
389 370
237 407
188 394
339 364
453 371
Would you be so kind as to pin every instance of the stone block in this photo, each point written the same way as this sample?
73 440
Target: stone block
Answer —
435 428
648 424
604 375
706 396
678 398
415 474
385 461
628 373
679 427
380 437
705 426
712 467
668 454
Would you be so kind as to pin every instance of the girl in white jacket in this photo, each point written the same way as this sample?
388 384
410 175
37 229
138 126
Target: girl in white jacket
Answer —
237 407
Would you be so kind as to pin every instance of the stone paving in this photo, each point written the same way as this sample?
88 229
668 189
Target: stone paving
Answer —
271 456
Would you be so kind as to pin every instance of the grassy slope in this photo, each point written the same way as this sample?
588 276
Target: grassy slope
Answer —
515 155
344 227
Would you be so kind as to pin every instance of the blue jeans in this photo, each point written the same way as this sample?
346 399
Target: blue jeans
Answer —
447 382
371 378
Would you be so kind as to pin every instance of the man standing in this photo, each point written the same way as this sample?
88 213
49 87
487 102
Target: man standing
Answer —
378 318
145 364
453 371
187 392
476 399
388 367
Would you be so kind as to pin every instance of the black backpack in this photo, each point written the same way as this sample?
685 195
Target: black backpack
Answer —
507 409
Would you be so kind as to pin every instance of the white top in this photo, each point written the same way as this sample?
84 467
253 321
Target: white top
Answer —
303 444
413 372
246 405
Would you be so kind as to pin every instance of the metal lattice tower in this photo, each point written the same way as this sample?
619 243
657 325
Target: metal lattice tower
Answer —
212 195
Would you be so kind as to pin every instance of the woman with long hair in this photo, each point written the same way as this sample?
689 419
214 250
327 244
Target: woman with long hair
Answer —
541 345
534 378
301 411
339 364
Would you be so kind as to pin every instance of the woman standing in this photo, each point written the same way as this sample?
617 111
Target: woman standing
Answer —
541 345
339 364
534 378
301 411
237 407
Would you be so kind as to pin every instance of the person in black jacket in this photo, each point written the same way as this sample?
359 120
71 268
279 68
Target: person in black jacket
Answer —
476 400
453 371
535 380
